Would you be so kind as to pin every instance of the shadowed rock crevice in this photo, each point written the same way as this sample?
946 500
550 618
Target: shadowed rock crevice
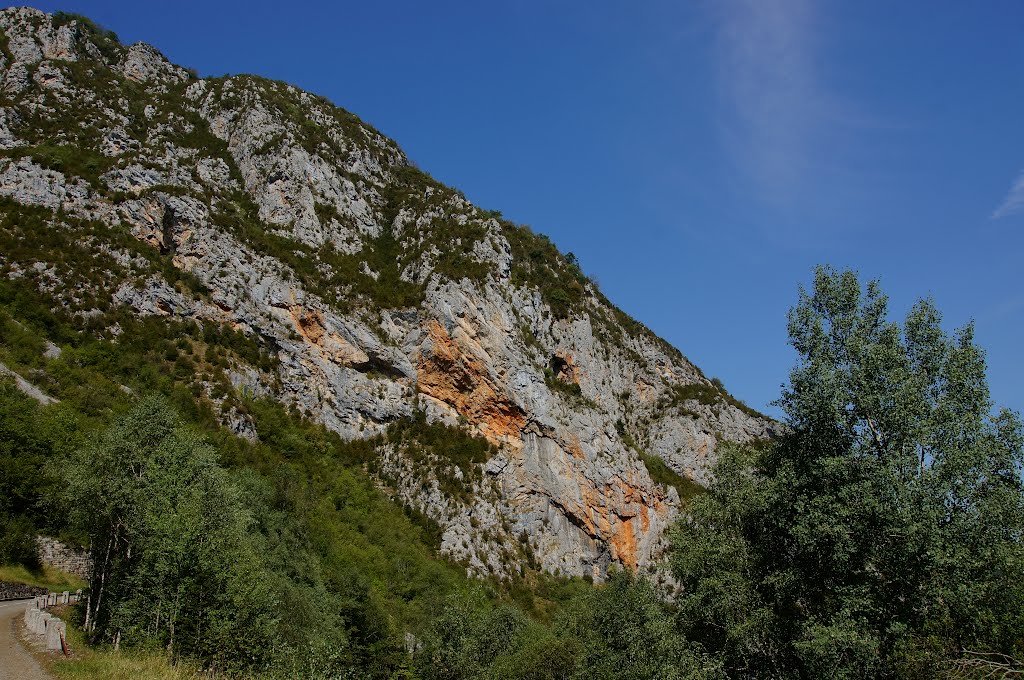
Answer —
564 368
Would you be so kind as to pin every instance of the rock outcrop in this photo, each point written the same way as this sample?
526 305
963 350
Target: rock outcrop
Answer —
379 292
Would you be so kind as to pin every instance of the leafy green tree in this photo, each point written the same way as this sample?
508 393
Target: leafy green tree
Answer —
17 541
175 561
22 453
883 534
626 633
467 637
30 435
538 653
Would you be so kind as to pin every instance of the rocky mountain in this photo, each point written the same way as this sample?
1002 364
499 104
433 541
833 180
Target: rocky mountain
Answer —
375 294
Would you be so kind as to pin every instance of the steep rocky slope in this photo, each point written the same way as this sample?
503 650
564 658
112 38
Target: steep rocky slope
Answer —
376 294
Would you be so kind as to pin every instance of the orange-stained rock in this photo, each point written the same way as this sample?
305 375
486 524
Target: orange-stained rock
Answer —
311 326
564 366
623 543
310 323
575 448
458 377
644 390
612 512
624 513
622 506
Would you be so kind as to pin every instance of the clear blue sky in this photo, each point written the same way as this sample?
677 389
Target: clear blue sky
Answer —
698 157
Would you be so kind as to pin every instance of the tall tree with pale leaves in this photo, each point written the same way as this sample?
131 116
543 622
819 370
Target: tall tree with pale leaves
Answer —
882 535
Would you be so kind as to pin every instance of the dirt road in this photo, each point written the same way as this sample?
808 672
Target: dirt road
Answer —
15 661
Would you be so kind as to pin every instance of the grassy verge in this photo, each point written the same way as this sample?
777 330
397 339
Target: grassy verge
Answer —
103 663
47 577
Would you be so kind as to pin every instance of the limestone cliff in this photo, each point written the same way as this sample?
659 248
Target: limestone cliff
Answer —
379 292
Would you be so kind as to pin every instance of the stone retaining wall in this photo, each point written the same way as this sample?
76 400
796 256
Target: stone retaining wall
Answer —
18 591
63 557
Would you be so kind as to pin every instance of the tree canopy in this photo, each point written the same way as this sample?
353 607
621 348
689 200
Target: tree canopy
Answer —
882 535
176 559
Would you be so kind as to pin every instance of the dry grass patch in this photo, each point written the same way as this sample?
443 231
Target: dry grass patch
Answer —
47 577
103 663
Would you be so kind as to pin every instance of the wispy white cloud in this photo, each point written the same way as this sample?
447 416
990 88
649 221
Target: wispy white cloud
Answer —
1014 201
799 146
766 64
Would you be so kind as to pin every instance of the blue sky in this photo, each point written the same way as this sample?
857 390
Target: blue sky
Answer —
699 157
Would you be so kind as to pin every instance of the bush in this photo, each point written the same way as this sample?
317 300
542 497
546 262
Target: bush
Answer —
17 541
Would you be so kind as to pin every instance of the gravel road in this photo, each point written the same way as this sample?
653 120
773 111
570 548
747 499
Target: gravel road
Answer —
15 661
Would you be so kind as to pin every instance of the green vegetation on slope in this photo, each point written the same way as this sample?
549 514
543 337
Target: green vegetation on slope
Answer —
881 537
662 474
285 543
90 663
537 263
659 471
709 395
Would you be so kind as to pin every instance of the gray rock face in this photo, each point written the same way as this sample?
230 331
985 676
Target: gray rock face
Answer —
28 183
292 213
32 36
144 64
26 387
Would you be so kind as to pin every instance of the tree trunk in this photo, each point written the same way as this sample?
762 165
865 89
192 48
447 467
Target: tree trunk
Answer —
103 575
